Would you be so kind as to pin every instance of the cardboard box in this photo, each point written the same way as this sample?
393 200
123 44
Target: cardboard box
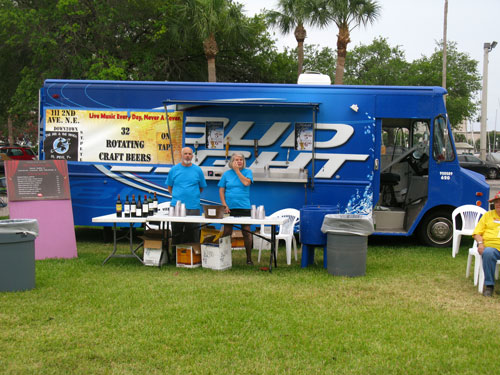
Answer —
217 256
153 243
153 239
154 257
153 248
188 255
213 211
210 235
237 240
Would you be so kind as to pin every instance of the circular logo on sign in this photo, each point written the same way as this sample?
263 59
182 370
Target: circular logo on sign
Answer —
61 145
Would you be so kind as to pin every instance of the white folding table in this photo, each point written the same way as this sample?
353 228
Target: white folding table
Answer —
166 219
112 218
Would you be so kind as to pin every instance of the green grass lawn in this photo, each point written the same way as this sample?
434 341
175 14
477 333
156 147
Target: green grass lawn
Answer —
413 313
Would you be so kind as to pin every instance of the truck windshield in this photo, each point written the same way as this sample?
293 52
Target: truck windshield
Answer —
442 149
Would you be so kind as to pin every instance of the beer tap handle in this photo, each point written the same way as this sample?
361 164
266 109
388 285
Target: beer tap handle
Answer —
227 147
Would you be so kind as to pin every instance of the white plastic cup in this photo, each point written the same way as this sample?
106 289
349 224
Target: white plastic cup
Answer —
253 211
183 210
261 214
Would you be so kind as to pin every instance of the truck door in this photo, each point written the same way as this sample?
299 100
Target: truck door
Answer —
404 156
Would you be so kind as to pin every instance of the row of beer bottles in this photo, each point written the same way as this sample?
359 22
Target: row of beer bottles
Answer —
137 208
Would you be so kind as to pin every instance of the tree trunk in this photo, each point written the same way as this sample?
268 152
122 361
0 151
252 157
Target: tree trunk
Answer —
211 69
10 136
300 57
300 36
211 50
342 40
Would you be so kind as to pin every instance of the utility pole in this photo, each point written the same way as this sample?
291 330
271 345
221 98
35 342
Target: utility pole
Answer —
445 27
484 99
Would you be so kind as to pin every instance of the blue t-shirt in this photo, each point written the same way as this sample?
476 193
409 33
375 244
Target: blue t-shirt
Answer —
186 183
237 195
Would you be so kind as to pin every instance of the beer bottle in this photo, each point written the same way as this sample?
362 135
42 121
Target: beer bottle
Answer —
138 209
155 203
126 207
119 207
150 205
145 206
133 206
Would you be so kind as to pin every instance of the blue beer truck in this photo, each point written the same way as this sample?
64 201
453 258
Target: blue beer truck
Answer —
373 150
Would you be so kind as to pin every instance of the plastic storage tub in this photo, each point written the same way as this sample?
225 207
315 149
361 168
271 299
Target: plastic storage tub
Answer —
311 219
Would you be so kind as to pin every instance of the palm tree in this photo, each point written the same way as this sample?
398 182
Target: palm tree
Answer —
214 20
293 14
347 15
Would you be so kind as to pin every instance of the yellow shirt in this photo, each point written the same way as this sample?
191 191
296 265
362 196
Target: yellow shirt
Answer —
489 228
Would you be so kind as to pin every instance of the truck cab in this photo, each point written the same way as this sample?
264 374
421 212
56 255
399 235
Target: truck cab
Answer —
421 181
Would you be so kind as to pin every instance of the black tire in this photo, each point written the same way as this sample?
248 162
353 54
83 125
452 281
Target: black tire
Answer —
492 174
436 229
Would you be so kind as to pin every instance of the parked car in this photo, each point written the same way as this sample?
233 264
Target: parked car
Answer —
493 157
16 153
486 168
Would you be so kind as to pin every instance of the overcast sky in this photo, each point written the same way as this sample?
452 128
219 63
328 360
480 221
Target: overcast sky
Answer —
416 26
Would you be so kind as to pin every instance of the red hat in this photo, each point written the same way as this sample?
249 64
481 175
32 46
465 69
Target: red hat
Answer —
497 196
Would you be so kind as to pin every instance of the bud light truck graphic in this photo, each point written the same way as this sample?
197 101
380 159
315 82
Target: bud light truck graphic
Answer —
381 151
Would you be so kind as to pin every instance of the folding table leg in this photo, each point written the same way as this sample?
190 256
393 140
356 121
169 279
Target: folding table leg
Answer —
273 249
114 245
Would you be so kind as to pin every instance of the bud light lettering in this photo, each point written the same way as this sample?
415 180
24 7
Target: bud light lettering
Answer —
341 133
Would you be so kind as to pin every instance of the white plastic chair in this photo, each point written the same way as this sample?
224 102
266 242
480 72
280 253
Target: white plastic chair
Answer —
470 216
473 253
480 283
285 232
478 267
162 208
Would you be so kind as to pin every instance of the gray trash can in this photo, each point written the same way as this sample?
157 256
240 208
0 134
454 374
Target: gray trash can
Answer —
347 242
17 254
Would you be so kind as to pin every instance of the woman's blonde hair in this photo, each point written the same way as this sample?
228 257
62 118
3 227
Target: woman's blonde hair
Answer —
233 156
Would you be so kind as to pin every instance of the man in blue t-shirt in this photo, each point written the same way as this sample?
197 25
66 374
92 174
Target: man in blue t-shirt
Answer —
186 182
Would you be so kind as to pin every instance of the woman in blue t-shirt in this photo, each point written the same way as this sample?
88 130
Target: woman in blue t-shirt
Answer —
234 191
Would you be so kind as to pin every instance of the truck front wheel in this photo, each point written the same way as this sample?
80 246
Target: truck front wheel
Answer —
436 229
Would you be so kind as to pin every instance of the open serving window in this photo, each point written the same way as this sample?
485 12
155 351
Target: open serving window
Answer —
276 137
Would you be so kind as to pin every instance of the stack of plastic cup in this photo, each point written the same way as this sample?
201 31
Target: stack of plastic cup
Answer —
261 213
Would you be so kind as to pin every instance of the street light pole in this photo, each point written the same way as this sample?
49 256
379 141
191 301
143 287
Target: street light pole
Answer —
445 27
484 98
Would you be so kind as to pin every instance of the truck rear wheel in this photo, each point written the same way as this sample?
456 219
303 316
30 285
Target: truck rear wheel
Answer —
436 229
